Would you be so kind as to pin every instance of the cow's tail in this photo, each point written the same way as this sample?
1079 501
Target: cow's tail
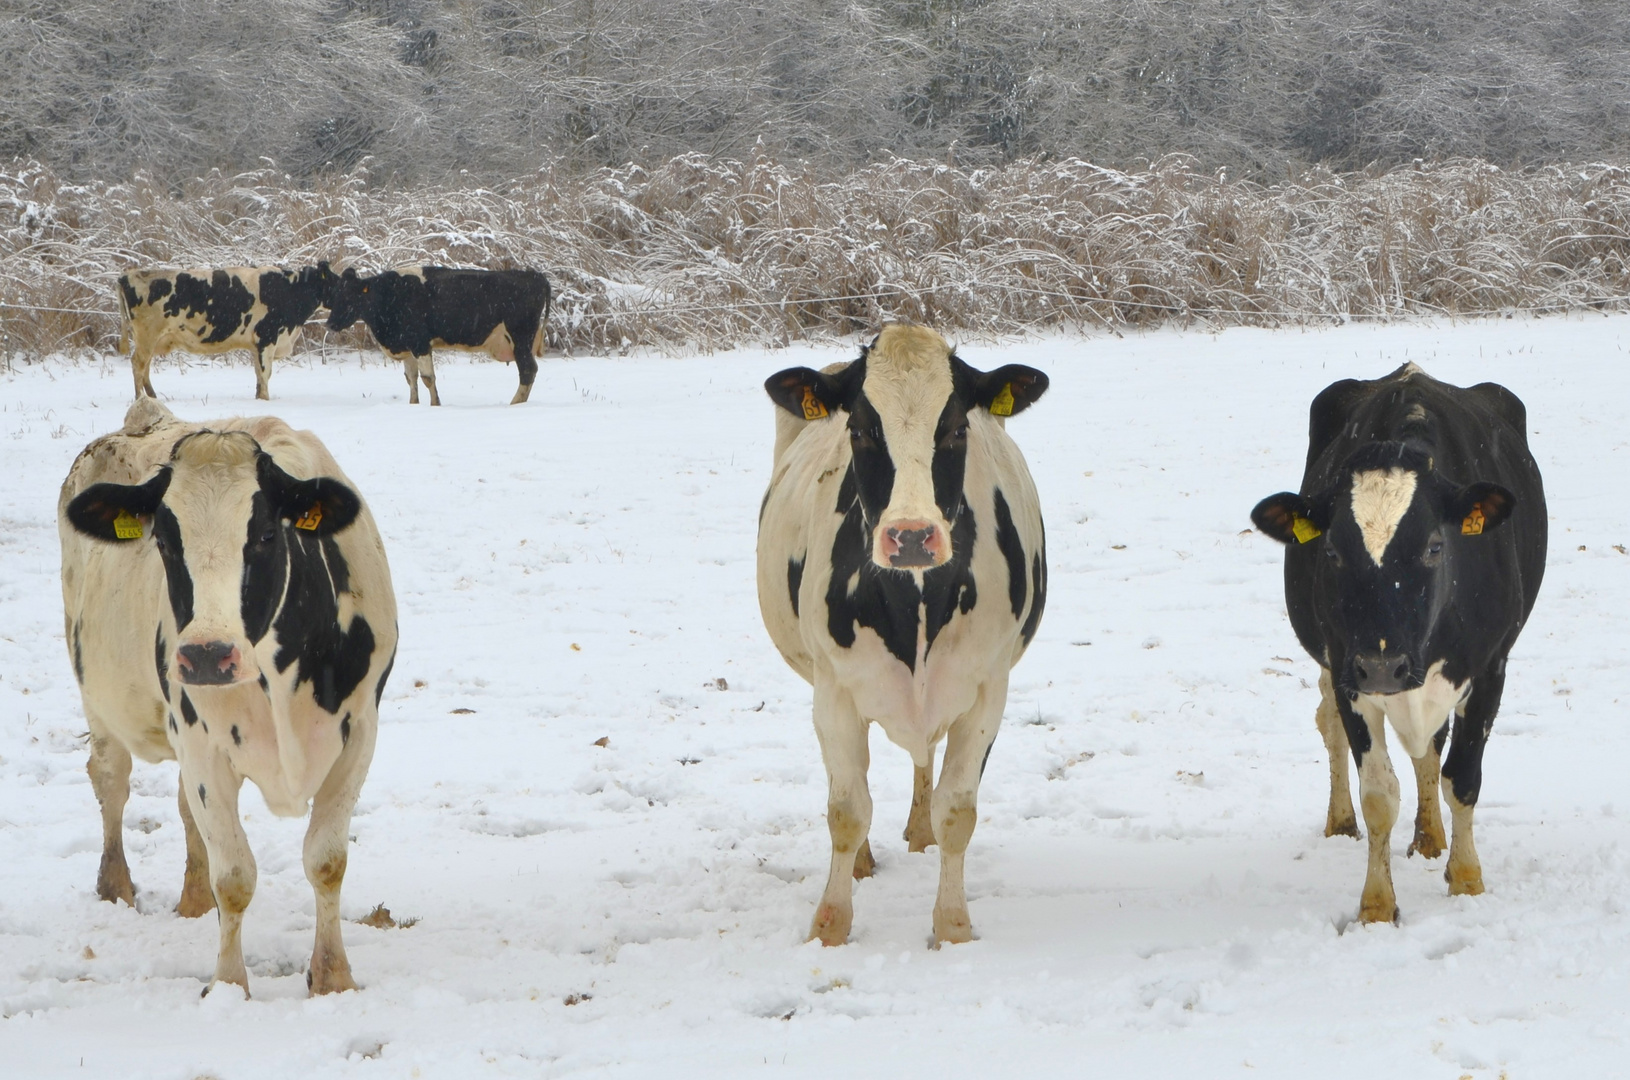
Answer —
124 313
540 341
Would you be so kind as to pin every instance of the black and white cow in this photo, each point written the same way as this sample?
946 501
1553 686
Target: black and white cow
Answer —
1415 553
259 308
417 308
227 604
902 570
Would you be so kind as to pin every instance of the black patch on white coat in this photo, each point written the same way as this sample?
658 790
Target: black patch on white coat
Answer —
203 796
188 713
1038 575
889 601
795 578
160 661
177 578
223 301
1012 549
379 687
345 730
290 297
334 661
79 657
237 740
265 567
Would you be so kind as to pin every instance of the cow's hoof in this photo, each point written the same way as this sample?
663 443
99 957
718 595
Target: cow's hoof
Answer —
1463 882
1428 844
865 864
195 901
113 883
331 981
831 925
952 929
1380 910
1336 827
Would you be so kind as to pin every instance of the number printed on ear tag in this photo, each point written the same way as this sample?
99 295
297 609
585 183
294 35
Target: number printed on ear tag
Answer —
1002 404
127 526
1473 523
311 519
813 407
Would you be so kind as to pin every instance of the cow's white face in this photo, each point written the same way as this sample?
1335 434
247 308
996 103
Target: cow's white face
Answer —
222 517
907 401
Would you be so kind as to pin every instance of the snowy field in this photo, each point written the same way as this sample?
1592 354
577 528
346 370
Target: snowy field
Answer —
1149 880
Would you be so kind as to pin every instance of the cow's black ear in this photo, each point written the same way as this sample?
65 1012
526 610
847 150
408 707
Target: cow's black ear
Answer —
1289 518
1480 508
1009 389
804 392
320 506
118 512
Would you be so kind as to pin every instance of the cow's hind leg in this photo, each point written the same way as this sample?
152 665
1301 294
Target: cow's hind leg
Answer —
211 789
410 368
263 373
109 768
1429 839
325 856
526 368
842 735
1338 818
919 834
1378 795
141 369
955 806
196 896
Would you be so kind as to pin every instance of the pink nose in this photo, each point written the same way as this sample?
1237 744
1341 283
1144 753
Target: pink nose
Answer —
212 663
913 544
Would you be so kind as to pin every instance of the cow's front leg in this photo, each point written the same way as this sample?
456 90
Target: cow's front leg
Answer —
1463 768
919 834
1338 818
326 849
196 895
1429 839
1378 795
427 373
211 789
109 768
842 734
955 805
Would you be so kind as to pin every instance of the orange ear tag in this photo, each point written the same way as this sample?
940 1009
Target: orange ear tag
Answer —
127 526
1473 523
1304 529
311 519
1002 404
813 408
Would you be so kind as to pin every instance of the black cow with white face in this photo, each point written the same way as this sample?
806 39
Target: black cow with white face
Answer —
1416 550
416 309
228 604
258 308
902 570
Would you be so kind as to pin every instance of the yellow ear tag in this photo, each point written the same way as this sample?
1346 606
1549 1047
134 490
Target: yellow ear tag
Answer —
127 526
1304 529
1473 523
1002 404
813 409
312 518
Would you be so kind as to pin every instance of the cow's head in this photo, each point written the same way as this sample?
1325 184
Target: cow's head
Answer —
907 402
220 516
319 280
1388 533
349 298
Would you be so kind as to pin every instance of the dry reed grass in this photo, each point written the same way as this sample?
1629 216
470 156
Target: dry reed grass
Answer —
705 253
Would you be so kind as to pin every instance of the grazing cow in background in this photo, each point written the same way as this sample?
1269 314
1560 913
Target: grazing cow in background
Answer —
259 308
227 604
419 308
902 571
1415 553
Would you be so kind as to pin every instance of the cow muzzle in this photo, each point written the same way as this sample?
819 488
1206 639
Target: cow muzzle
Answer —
912 545
211 663
1381 673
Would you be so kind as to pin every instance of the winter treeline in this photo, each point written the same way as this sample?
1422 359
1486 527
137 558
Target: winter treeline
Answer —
99 89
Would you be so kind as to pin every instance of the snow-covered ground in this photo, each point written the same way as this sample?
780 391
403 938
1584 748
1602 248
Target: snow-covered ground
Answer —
1149 879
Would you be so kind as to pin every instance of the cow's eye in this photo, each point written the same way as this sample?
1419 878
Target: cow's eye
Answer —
1332 554
158 542
1434 548
269 535
865 437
